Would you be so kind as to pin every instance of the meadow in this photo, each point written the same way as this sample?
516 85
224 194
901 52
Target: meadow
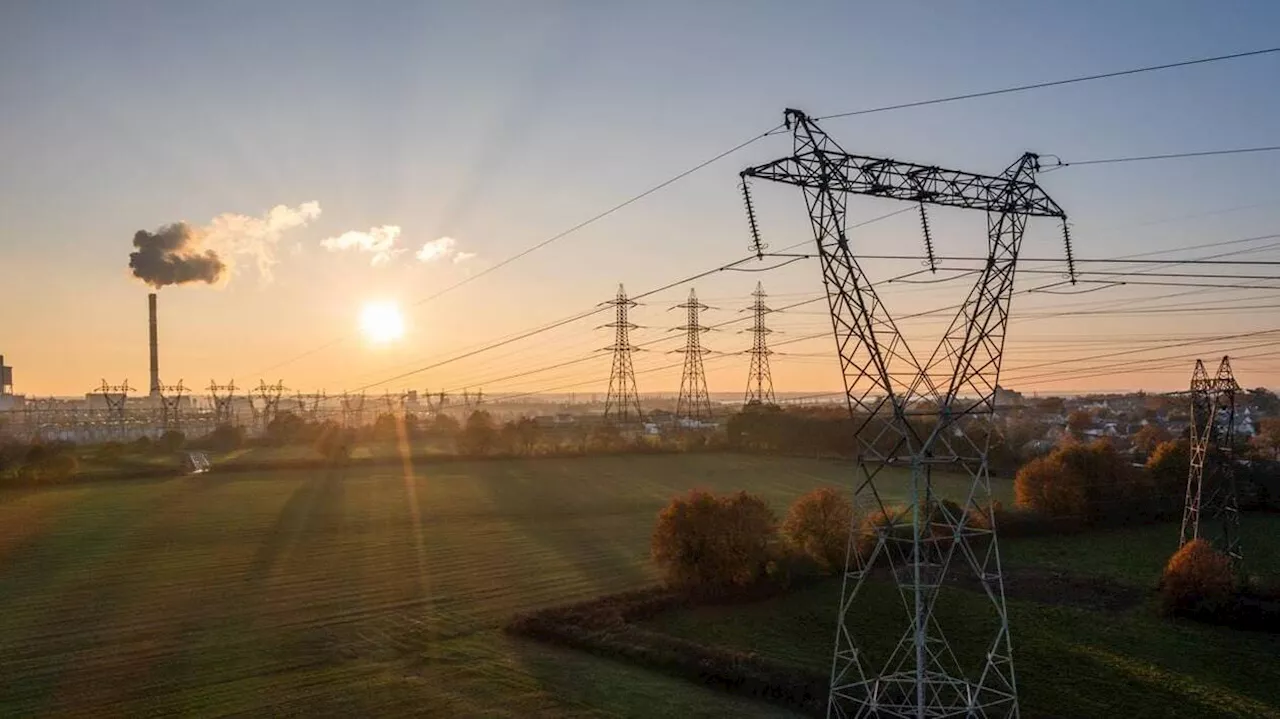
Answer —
357 591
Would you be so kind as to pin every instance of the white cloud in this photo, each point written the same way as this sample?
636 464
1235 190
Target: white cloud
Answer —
380 241
232 235
437 250
462 257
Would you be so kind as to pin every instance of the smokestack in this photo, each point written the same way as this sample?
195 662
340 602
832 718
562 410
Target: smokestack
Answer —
155 347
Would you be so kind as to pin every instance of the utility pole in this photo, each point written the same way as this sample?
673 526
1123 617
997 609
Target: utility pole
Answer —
694 402
622 404
759 380
905 413
1213 420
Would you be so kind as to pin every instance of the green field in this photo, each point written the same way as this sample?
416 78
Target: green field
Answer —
346 592
1070 662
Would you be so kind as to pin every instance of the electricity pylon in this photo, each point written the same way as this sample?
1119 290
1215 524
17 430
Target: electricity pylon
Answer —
694 402
221 396
268 397
171 404
116 397
622 404
352 409
1213 419
759 380
906 414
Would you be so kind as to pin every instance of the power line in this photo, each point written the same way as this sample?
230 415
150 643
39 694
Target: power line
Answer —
1052 83
1171 156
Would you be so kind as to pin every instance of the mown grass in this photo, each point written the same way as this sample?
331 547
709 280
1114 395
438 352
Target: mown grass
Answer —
1137 555
1070 662
359 592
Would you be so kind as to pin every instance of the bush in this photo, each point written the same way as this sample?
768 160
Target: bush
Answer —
1197 582
172 440
707 544
225 438
818 525
334 443
48 462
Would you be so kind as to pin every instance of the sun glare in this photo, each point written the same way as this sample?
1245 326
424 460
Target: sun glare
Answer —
381 322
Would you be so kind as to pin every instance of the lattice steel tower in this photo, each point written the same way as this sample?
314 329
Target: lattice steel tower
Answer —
221 396
906 413
694 402
622 404
1213 419
759 380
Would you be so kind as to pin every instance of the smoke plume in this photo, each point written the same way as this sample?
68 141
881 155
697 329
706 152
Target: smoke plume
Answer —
179 253
173 255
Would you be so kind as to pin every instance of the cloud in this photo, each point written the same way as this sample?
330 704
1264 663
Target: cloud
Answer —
462 257
178 253
381 241
232 235
439 248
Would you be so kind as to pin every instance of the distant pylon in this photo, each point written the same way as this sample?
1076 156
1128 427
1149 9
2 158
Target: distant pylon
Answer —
269 397
352 409
171 405
1213 419
221 396
622 404
694 402
759 381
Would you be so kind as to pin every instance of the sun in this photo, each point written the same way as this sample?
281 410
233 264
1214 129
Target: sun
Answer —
381 322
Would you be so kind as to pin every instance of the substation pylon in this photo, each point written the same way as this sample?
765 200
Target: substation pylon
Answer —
1212 457
170 396
221 397
265 401
759 380
622 403
116 397
352 409
908 416
693 403
309 405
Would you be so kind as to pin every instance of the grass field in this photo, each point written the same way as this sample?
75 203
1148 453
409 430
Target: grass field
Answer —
1070 662
348 592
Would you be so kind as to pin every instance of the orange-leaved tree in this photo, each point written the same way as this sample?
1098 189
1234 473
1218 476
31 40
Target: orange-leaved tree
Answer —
705 543
818 525
1197 581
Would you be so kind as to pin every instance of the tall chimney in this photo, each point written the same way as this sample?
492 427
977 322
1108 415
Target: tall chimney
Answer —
155 348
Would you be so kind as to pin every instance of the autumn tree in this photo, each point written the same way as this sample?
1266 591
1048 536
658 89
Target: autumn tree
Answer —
1088 482
1149 437
707 543
1267 441
818 525
1078 421
1197 581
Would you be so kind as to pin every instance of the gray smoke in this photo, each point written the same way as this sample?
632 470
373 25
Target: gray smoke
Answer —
172 256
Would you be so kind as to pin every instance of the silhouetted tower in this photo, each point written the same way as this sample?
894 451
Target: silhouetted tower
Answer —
694 402
622 404
268 402
352 409
171 405
1212 461
221 397
905 415
116 396
759 381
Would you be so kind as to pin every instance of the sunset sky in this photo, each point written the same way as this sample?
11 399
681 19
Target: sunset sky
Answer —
411 147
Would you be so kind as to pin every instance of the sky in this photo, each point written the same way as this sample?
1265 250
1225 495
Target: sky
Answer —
481 129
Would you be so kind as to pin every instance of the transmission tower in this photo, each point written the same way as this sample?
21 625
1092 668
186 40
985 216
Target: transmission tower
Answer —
906 414
622 404
171 405
759 381
352 409
1213 419
116 397
693 403
268 398
221 397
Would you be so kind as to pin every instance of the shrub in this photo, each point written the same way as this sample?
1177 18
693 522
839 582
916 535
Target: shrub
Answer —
706 544
172 440
818 525
1197 581
225 438
48 462
334 443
